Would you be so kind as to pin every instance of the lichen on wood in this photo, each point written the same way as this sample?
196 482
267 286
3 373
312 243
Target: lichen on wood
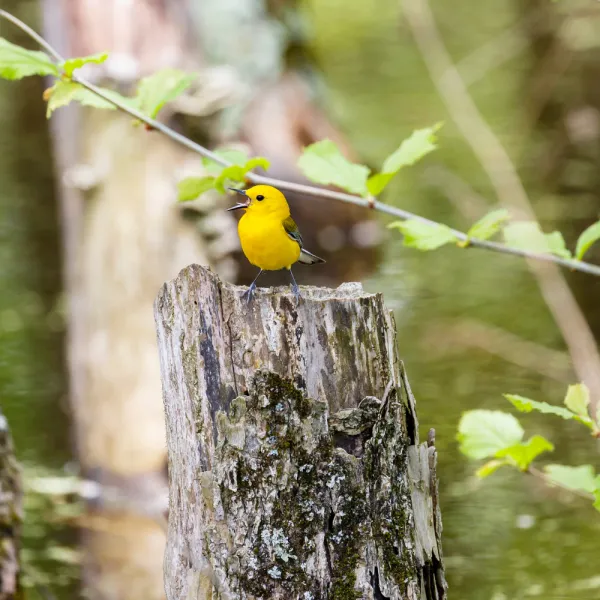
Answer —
294 463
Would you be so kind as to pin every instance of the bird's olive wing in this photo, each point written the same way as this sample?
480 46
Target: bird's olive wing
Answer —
292 230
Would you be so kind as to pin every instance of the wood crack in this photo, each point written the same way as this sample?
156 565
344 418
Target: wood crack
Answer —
230 337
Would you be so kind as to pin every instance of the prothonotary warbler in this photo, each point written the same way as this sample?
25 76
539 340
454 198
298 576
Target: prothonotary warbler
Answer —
270 238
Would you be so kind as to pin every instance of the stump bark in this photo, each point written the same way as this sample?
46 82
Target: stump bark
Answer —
295 469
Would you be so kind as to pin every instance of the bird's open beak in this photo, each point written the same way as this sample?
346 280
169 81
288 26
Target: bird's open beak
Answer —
239 204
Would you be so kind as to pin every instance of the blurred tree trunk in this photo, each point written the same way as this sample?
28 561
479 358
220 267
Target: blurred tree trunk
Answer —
124 235
32 378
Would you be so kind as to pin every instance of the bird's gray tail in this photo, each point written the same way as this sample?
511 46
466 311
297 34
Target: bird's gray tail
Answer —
308 258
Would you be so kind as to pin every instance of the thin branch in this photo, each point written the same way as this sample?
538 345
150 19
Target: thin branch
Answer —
306 190
32 34
152 123
508 186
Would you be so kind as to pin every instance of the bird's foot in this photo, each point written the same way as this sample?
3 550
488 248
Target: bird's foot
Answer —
296 292
248 295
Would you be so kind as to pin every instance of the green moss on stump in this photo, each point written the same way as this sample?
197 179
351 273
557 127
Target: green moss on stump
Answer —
349 528
390 522
327 490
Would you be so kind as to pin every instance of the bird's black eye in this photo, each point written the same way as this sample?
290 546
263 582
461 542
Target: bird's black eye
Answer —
260 197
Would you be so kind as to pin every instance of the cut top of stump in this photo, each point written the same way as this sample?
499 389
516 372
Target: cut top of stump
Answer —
338 345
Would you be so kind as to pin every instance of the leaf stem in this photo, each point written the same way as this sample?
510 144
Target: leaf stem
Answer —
297 187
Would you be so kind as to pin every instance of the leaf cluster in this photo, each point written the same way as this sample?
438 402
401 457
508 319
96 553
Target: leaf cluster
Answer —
321 162
498 436
153 92
324 163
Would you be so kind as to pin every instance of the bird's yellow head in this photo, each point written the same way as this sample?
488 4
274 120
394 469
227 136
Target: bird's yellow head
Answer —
263 200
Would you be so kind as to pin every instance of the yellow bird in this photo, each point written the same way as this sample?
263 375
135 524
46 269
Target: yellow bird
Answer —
269 236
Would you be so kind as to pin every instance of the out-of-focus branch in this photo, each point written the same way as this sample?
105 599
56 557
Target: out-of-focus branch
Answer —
460 194
507 184
450 337
493 54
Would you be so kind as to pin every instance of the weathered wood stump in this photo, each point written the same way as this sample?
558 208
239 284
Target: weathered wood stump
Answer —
294 464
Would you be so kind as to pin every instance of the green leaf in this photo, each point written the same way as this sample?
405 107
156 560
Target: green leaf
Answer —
527 405
482 433
574 478
577 399
488 225
65 92
236 173
323 163
412 149
191 187
60 94
376 183
424 236
556 244
219 175
524 453
17 62
586 239
236 157
597 499
258 161
490 467
76 63
161 87
528 236
525 236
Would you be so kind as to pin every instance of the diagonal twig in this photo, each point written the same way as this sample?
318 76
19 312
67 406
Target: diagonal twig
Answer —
305 190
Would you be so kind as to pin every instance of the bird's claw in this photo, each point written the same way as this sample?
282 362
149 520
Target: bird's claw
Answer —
296 292
248 295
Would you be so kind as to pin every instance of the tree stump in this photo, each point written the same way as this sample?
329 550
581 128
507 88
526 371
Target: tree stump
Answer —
295 469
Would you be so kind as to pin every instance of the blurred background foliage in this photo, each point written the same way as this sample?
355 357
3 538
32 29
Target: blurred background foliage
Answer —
533 68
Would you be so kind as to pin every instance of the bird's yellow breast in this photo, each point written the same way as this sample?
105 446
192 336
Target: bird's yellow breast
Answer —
265 242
